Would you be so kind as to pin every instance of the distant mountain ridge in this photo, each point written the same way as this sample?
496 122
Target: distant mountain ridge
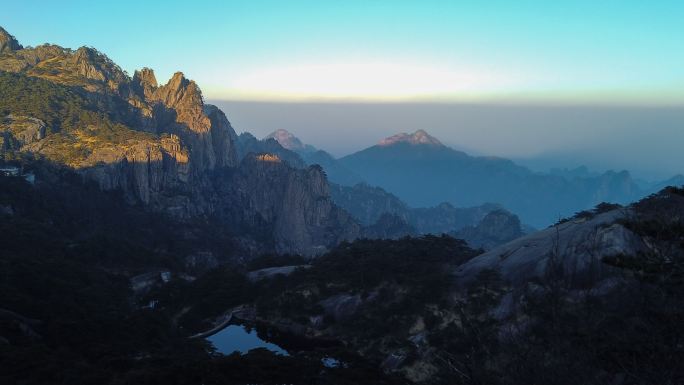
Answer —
423 172
384 214
336 172
418 137
289 141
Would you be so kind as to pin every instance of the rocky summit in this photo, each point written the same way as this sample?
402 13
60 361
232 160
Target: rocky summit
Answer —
418 137
289 141
8 42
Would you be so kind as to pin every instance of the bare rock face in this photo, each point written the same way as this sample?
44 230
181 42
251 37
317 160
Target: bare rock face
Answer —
573 249
8 42
178 107
496 228
18 131
144 170
185 97
94 66
144 82
268 196
223 137
83 59
193 139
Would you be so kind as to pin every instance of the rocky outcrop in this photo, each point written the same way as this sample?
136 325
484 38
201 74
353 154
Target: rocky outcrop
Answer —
84 60
8 42
248 144
144 83
223 137
496 228
573 249
145 170
18 131
293 205
178 108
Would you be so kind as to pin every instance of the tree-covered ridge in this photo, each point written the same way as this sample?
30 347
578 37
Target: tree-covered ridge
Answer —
74 125
85 67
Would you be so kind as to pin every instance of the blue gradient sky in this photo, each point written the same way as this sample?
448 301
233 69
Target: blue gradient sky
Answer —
505 51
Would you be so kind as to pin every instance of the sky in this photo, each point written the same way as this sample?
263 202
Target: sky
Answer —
511 51
545 82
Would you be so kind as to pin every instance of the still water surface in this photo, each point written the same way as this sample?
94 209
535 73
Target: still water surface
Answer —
236 338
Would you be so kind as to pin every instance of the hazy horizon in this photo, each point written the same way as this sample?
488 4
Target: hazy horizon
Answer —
430 51
643 140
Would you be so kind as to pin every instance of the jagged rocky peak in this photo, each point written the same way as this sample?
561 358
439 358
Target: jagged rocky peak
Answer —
93 65
145 76
185 97
8 42
286 139
180 92
145 82
418 137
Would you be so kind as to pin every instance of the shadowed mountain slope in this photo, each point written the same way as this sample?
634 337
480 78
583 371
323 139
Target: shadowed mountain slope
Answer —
423 172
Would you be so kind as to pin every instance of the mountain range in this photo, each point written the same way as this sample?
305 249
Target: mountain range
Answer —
164 148
423 172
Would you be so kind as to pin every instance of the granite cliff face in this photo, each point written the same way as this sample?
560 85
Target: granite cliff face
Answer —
573 249
8 42
159 144
294 205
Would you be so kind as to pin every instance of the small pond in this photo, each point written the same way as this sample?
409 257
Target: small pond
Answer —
236 338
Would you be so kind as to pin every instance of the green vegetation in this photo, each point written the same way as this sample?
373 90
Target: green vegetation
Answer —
77 123
600 208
